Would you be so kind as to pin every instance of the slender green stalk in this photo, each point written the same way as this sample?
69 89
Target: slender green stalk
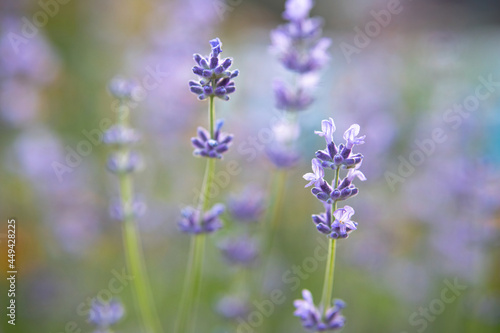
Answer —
132 245
326 298
192 285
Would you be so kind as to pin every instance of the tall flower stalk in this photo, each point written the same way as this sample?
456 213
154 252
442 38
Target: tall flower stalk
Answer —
215 81
123 162
335 222
301 50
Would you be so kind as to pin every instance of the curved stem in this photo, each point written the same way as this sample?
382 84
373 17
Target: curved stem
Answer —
192 286
132 246
326 298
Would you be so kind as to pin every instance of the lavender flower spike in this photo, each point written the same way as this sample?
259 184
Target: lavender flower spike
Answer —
351 136
214 73
211 147
343 226
316 177
311 316
327 130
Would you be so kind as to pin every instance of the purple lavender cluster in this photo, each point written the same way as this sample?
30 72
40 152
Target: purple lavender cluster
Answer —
338 224
211 147
301 50
214 73
311 317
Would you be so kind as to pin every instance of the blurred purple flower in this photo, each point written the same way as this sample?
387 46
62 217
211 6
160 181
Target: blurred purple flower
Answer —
297 44
297 10
117 212
247 207
282 157
241 250
103 315
311 316
125 89
120 136
193 223
288 99
118 162
232 307
35 61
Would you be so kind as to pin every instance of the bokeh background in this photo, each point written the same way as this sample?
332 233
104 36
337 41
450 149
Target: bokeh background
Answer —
439 223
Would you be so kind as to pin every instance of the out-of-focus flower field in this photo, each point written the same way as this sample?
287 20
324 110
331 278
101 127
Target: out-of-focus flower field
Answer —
423 83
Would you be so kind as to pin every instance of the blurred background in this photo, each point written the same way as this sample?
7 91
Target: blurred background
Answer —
437 222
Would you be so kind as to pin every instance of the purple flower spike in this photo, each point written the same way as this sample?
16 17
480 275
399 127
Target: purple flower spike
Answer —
103 315
327 130
351 136
311 317
211 147
193 223
343 226
214 73
316 177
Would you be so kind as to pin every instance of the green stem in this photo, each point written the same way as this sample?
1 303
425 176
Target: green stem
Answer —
271 220
326 298
133 249
192 286
279 185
